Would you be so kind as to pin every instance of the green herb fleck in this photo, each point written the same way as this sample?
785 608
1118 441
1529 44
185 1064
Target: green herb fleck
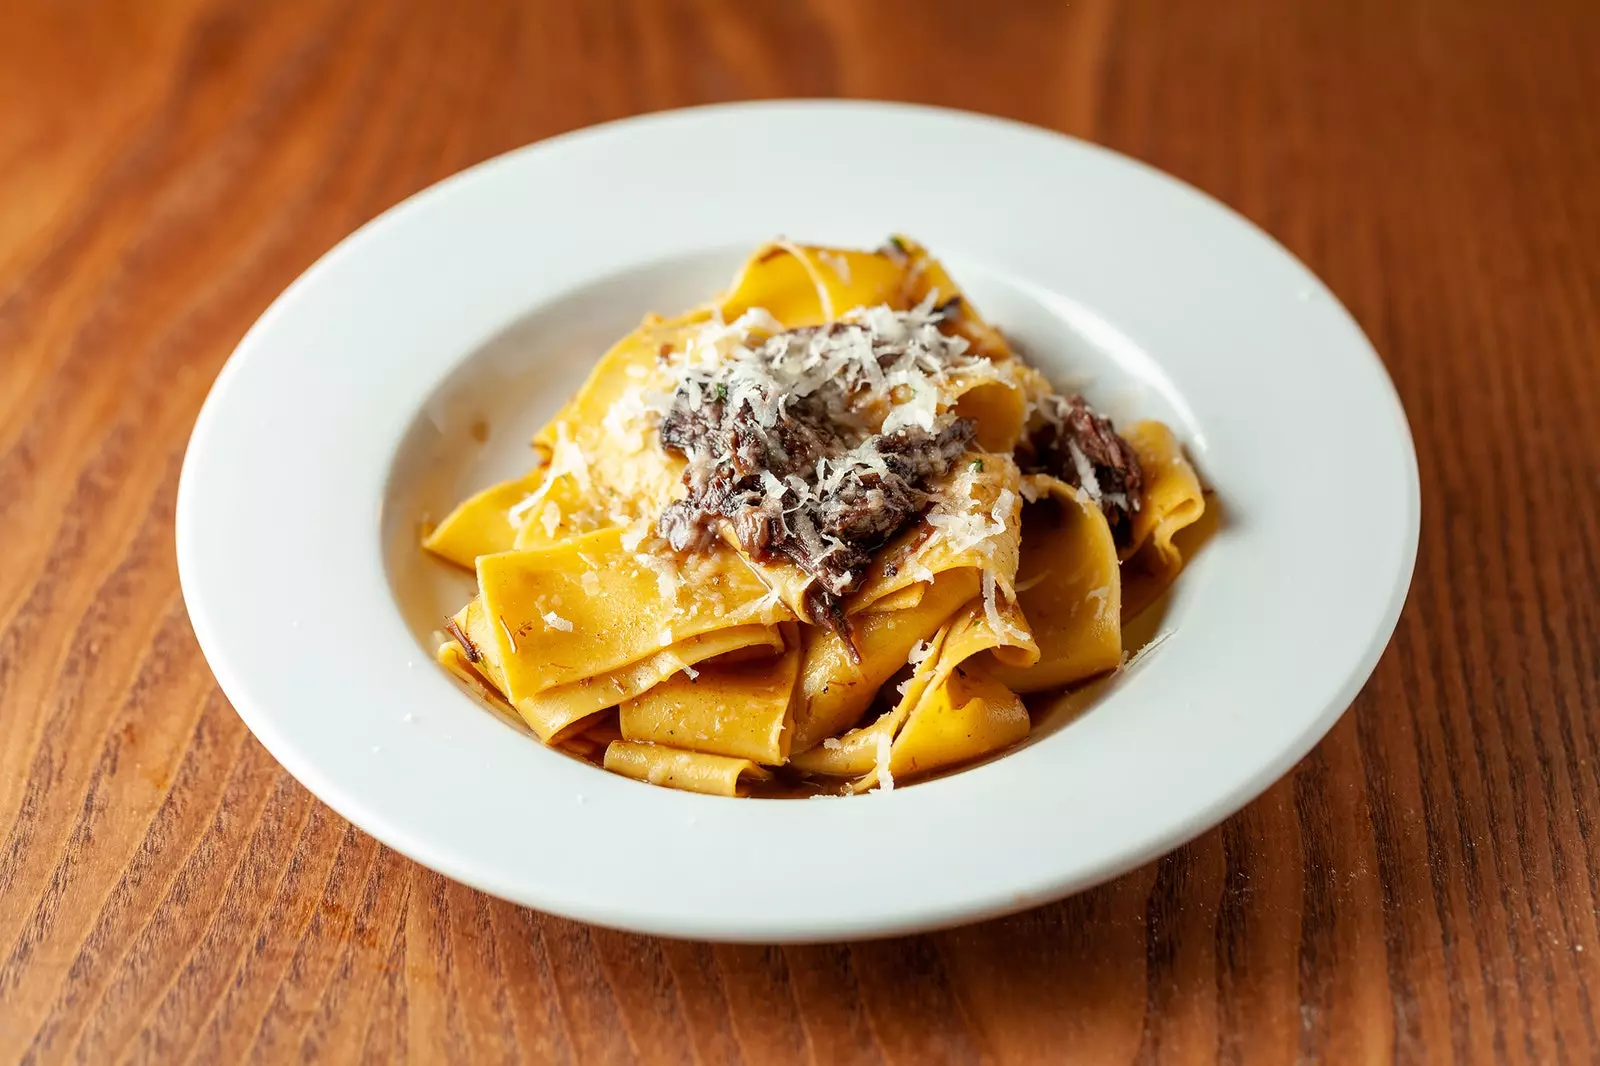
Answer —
720 392
977 464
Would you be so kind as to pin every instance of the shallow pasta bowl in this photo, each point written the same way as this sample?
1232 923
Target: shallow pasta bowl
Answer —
412 362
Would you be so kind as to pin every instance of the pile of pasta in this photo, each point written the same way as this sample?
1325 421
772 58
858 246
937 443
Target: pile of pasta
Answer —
706 669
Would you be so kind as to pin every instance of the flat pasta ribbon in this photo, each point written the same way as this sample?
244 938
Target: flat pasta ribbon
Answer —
834 691
587 624
972 714
691 771
1069 585
482 524
741 709
802 285
1173 501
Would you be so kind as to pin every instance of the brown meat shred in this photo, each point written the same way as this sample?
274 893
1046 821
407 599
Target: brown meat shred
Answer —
854 491
1070 422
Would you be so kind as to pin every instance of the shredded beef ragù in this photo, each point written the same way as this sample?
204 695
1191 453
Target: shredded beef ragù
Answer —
781 446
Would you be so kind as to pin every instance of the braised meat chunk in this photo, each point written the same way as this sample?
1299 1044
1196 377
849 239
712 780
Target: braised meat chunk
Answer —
808 488
1083 449
815 445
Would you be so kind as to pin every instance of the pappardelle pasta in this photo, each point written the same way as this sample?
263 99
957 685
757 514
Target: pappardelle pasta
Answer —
823 534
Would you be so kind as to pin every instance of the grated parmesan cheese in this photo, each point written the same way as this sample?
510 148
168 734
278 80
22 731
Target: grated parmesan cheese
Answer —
632 415
634 535
874 372
963 522
891 368
668 576
555 621
998 622
519 510
991 603
568 459
885 778
1085 469
1129 662
1004 504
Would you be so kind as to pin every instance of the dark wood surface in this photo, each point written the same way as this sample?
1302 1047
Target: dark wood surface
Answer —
1421 888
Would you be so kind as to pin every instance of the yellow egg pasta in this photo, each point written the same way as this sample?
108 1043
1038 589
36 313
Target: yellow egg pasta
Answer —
482 523
1070 589
743 709
864 753
1174 501
835 691
821 534
692 771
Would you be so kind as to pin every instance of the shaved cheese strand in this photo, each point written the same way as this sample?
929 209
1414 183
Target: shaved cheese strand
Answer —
1085 469
891 367
885 778
1129 662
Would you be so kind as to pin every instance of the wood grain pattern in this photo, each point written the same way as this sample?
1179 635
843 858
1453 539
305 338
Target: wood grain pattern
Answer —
1422 888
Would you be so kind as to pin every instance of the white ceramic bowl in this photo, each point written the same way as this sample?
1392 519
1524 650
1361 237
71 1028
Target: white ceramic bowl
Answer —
346 415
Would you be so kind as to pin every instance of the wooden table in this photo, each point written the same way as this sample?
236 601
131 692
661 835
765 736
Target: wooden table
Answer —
1421 888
